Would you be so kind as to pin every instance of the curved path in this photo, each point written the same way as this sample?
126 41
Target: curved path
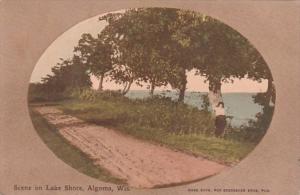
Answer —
142 164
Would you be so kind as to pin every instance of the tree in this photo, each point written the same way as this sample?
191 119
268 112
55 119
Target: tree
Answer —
265 99
66 74
259 72
97 55
218 52
142 38
76 75
160 44
181 48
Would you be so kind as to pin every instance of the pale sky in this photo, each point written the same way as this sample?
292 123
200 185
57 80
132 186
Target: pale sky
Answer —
63 47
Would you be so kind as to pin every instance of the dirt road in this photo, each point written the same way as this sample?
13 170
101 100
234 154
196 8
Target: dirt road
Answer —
142 164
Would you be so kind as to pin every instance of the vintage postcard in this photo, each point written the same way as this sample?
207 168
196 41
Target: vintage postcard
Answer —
149 97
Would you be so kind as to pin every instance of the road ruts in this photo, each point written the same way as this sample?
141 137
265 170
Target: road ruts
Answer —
142 164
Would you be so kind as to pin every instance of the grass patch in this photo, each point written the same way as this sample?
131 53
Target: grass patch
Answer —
68 153
224 151
161 121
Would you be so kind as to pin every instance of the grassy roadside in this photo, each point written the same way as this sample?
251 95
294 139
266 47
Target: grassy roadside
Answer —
68 153
155 121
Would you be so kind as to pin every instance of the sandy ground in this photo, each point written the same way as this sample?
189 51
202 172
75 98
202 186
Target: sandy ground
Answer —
142 164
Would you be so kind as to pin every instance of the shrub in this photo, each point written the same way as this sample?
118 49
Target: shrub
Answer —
156 112
37 93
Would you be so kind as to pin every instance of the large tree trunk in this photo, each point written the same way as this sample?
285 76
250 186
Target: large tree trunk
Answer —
127 87
152 89
100 87
182 90
215 95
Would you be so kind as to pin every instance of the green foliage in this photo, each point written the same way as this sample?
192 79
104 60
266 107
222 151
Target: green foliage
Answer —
257 128
66 75
221 150
137 36
96 54
37 92
84 94
158 46
91 95
143 39
54 87
161 121
156 112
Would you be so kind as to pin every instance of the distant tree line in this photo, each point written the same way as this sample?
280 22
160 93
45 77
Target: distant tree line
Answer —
66 75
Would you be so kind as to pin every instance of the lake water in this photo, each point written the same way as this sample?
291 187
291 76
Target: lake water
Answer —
238 105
